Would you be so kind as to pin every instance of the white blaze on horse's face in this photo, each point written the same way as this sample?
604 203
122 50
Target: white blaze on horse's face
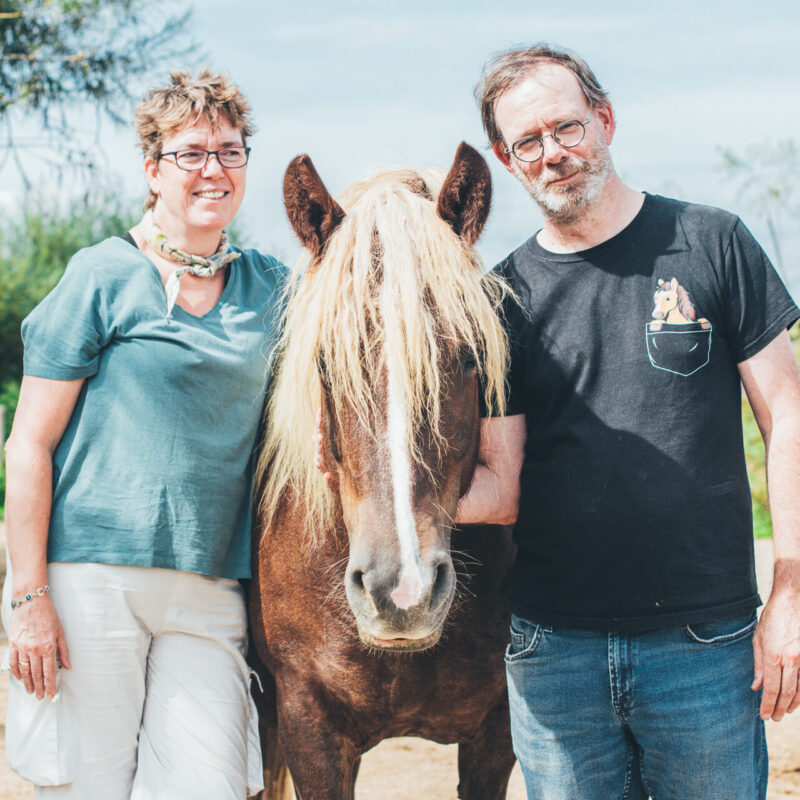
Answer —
400 578
398 473
409 587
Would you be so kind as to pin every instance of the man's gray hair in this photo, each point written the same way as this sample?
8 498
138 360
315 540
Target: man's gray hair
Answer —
506 69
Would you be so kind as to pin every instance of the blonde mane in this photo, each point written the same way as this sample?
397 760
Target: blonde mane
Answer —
395 288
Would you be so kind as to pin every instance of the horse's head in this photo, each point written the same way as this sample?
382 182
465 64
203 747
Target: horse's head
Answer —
665 298
398 321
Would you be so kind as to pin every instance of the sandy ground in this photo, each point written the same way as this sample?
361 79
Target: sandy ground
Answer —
401 768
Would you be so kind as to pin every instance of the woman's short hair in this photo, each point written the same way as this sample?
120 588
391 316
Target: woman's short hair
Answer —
184 102
506 69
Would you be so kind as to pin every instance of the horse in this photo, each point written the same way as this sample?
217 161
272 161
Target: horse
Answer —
372 615
673 306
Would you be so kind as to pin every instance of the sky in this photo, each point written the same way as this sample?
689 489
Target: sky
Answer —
364 84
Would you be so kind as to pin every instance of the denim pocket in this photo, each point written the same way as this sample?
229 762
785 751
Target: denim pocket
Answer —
38 739
525 638
724 632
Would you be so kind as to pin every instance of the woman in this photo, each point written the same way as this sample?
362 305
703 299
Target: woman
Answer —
127 505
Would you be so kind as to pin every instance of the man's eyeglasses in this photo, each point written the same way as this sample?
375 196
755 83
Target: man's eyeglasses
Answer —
567 134
192 160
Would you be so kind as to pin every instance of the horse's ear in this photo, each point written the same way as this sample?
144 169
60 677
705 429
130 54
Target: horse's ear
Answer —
673 284
312 212
466 194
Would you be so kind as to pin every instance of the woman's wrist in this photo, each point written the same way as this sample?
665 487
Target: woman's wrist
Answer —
27 583
35 594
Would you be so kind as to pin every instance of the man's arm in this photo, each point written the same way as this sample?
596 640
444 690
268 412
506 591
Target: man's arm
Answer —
493 496
772 383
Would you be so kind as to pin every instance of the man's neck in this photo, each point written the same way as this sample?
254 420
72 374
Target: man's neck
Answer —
611 213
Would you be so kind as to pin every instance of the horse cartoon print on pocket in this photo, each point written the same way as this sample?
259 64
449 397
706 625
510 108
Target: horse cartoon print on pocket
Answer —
677 341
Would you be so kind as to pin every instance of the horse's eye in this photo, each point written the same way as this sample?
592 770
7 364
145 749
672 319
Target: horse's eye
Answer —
468 362
332 434
321 369
335 447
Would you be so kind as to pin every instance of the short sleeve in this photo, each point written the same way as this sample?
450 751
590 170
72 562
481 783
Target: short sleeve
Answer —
64 335
758 306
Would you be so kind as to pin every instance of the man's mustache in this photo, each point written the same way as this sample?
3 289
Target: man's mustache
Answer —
560 170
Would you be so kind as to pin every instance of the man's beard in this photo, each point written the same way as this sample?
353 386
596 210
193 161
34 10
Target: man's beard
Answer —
569 202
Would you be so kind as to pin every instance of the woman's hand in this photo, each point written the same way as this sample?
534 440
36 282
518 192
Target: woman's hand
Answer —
36 645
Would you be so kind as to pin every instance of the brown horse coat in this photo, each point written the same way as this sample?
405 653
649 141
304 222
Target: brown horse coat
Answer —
340 625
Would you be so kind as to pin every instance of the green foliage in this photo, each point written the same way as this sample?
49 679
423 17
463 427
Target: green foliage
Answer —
33 254
59 52
9 393
67 65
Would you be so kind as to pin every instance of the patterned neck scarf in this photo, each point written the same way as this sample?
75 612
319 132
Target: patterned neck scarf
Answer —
202 266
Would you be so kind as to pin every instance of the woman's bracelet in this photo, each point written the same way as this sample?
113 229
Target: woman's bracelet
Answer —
40 592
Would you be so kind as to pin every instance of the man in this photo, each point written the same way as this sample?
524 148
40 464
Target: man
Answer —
635 665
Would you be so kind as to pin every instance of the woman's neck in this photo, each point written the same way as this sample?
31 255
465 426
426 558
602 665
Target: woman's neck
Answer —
197 242
164 265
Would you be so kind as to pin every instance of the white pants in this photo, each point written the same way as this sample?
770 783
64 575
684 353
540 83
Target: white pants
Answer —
157 703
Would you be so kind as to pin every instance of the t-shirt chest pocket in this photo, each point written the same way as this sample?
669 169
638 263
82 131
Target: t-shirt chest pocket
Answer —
678 337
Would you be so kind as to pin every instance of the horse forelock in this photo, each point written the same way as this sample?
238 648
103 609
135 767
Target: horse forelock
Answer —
394 290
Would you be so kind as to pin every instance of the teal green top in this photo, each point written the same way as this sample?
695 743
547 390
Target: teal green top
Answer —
154 468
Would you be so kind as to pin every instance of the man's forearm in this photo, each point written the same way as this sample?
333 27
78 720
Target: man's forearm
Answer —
493 495
489 501
783 480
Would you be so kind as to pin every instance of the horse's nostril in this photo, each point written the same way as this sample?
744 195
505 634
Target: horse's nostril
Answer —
357 578
441 570
441 582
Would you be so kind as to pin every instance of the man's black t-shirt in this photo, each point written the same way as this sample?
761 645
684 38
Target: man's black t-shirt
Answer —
635 507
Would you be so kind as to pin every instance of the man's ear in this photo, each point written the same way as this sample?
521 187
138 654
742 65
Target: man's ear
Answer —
499 149
604 114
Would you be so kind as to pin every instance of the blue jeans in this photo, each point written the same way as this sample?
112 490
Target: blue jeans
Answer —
666 713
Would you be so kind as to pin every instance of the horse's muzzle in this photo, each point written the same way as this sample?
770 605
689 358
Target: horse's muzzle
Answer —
386 621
